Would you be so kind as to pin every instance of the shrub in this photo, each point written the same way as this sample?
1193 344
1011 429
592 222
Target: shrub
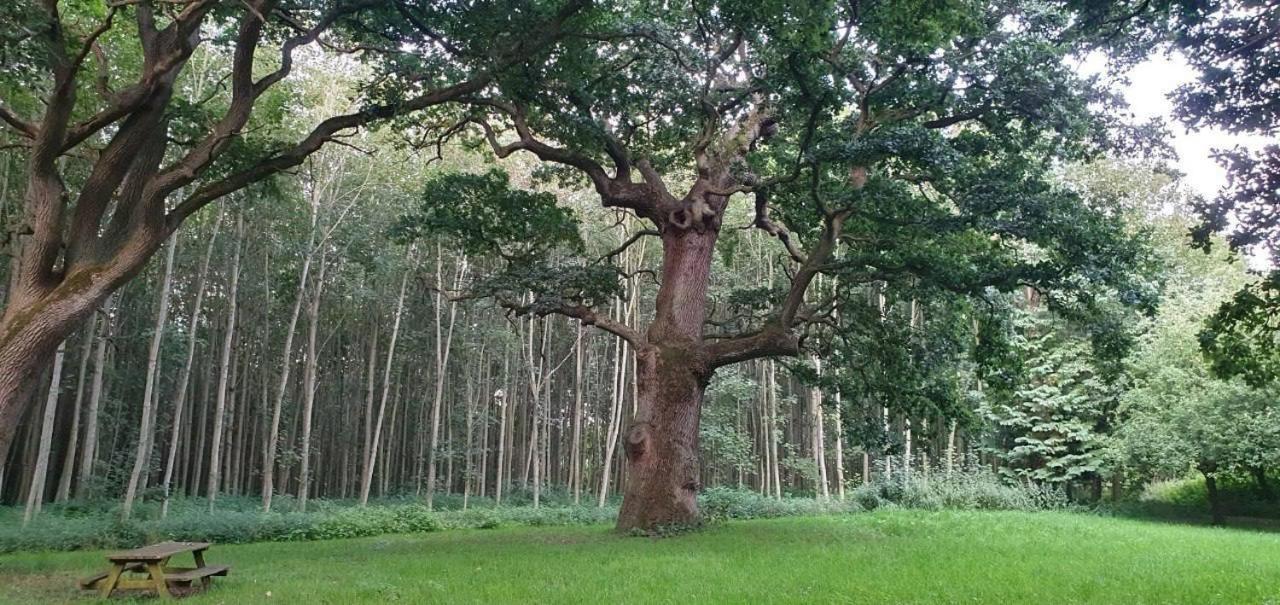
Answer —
867 496
964 488
51 532
372 521
722 503
1189 497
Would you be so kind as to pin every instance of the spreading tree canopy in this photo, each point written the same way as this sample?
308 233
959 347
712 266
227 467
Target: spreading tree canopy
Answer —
905 146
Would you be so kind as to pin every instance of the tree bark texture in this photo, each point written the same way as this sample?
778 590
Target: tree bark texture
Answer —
672 372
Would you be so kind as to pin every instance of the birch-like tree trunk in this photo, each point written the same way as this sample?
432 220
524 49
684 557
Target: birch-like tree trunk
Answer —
184 375
286 366
819 436
146 432
443 345
500 400
89 452
228 342
839 426
69 456
35 494
575 448
771 398
615 411
366 478
309 387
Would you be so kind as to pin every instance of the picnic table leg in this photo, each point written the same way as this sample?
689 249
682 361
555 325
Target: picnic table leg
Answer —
156 571
109 583
205 581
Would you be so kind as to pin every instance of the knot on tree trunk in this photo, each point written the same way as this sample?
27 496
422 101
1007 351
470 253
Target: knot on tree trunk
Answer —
696 215
637 441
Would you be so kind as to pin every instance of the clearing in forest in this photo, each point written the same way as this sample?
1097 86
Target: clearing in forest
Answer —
890 556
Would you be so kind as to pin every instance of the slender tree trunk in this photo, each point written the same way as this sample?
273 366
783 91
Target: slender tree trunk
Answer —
771 395
228 341
35 494
370 380
818 437
146 432
499 472
485 421
839 426
198 467
443 346
366 480
286 365
615 416
468 421
90 451
69 457
951 448
309 389
907 447
575 449
184 375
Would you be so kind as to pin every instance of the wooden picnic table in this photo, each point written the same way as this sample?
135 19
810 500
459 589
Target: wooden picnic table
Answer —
153 562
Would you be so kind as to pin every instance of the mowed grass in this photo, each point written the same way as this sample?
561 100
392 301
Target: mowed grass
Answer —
896 556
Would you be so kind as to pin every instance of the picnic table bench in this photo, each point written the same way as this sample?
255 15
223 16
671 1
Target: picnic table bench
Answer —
153 562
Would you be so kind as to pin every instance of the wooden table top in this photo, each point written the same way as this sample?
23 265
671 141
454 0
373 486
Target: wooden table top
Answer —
157 552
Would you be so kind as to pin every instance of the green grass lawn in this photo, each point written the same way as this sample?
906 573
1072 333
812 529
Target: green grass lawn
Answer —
896 556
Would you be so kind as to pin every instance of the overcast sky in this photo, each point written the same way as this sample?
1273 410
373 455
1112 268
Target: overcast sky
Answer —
1151 83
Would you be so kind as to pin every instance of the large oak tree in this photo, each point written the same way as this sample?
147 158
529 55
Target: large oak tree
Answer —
903 142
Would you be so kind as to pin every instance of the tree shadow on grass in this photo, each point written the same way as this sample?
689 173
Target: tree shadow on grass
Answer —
1177 515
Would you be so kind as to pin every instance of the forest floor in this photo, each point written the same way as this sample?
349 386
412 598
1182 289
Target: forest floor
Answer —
887 556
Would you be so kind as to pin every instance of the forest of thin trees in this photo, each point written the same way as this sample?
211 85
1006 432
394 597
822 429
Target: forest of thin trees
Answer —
258 356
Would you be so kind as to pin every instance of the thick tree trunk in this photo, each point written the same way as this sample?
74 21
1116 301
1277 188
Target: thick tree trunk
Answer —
1216 511
29 335
662 443
672 372
1261 483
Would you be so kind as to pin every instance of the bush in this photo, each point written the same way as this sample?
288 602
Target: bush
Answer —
51 532
722 503
972 488
1189 497
372 521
